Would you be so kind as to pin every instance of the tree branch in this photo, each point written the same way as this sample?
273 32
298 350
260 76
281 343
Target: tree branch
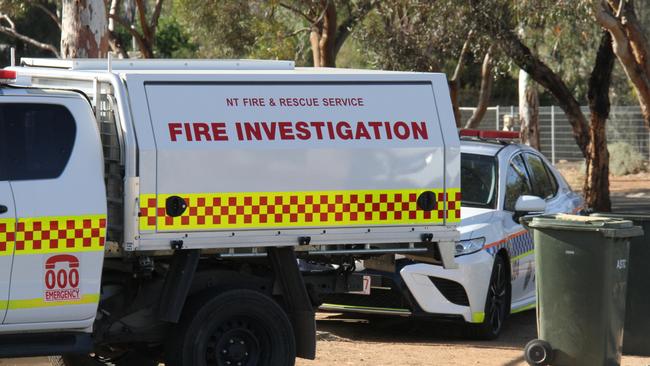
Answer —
114 41
146 32
296 32
50 14
156 15
344 29
454 82
139 39
11 31
485 91
297 11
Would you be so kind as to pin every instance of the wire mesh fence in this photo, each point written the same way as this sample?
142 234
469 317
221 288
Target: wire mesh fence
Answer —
625 124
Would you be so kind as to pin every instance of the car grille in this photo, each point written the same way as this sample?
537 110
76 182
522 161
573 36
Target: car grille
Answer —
452 291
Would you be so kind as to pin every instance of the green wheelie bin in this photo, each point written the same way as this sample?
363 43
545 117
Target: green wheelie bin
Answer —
636 337
581 273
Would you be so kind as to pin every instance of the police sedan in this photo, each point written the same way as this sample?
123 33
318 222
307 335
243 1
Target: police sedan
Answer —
500 182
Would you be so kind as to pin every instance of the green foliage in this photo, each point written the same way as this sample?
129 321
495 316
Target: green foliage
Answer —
31 21
172 41
624 159
238 29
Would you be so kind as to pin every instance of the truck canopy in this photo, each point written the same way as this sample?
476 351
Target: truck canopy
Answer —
248 154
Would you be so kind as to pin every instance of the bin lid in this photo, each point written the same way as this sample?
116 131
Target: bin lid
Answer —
606 226
624 215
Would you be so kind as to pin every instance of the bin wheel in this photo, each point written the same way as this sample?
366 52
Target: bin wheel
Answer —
538 352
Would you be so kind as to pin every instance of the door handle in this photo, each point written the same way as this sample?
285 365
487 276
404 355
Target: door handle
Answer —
3 209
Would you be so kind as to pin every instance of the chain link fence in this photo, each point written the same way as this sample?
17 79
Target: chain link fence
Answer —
625 124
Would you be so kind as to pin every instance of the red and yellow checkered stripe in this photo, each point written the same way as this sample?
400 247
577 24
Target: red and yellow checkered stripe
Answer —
209 211
46 235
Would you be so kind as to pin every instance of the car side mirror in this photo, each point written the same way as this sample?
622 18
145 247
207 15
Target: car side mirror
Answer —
528 204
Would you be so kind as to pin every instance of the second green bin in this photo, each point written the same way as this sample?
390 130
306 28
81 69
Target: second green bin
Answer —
636 338
581 271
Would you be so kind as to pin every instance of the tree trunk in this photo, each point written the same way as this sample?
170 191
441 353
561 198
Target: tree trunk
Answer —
596 184
323 37
454 82
630 46
84 31
528 110
484 93
114 41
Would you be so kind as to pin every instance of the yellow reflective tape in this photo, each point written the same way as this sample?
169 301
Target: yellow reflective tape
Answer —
40 303
524 308
478 317
53 234
530 252
7 236
242 210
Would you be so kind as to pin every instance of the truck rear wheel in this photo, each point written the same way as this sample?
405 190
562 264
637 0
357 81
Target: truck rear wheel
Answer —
238 328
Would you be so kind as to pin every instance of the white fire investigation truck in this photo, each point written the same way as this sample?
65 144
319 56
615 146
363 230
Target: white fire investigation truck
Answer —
153 211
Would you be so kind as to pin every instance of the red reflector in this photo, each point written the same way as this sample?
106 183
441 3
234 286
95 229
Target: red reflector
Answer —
489 134
7 75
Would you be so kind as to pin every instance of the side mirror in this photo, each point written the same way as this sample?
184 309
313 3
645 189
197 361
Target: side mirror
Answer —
528 204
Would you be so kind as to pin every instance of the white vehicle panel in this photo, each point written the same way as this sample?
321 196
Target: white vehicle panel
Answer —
7 242
56 220
286 161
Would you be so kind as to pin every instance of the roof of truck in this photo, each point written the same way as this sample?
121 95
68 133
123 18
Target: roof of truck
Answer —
188 66
23 92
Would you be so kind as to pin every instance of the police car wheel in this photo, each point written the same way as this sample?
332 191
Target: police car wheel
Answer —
234 328
497 303
538 353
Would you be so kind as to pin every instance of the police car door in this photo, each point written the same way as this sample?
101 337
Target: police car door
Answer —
54 163
7 231
517 239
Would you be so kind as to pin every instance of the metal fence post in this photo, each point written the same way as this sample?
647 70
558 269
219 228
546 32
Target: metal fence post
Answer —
553 134
497 119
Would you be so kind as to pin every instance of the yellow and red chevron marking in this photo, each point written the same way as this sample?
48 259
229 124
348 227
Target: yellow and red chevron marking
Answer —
207 211
44 235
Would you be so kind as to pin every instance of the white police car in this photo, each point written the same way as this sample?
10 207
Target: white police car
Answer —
500 182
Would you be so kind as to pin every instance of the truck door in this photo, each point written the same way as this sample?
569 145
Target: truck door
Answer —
7 232
55 170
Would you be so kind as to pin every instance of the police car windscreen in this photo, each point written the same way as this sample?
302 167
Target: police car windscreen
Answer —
478 180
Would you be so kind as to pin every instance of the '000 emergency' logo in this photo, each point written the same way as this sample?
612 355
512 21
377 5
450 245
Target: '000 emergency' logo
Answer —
62 278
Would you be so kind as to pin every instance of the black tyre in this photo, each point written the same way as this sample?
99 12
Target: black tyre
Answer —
233 328
497 303
538 353
129 358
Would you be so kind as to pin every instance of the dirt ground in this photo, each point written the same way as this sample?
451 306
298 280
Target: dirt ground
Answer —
399 342
624 185
367 341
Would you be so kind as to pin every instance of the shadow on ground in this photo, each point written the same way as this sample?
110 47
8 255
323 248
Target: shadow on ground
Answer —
518 330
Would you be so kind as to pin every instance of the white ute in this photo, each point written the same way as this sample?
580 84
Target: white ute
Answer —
152 211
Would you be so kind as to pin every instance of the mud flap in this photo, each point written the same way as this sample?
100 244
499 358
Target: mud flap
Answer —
297 302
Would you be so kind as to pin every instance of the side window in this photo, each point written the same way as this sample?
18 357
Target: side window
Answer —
36 140
542 184
517 183
554 184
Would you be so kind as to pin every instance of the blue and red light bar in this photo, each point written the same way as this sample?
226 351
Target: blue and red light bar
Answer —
489 134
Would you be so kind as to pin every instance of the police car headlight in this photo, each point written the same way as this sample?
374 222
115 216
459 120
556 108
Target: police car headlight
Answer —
469 246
